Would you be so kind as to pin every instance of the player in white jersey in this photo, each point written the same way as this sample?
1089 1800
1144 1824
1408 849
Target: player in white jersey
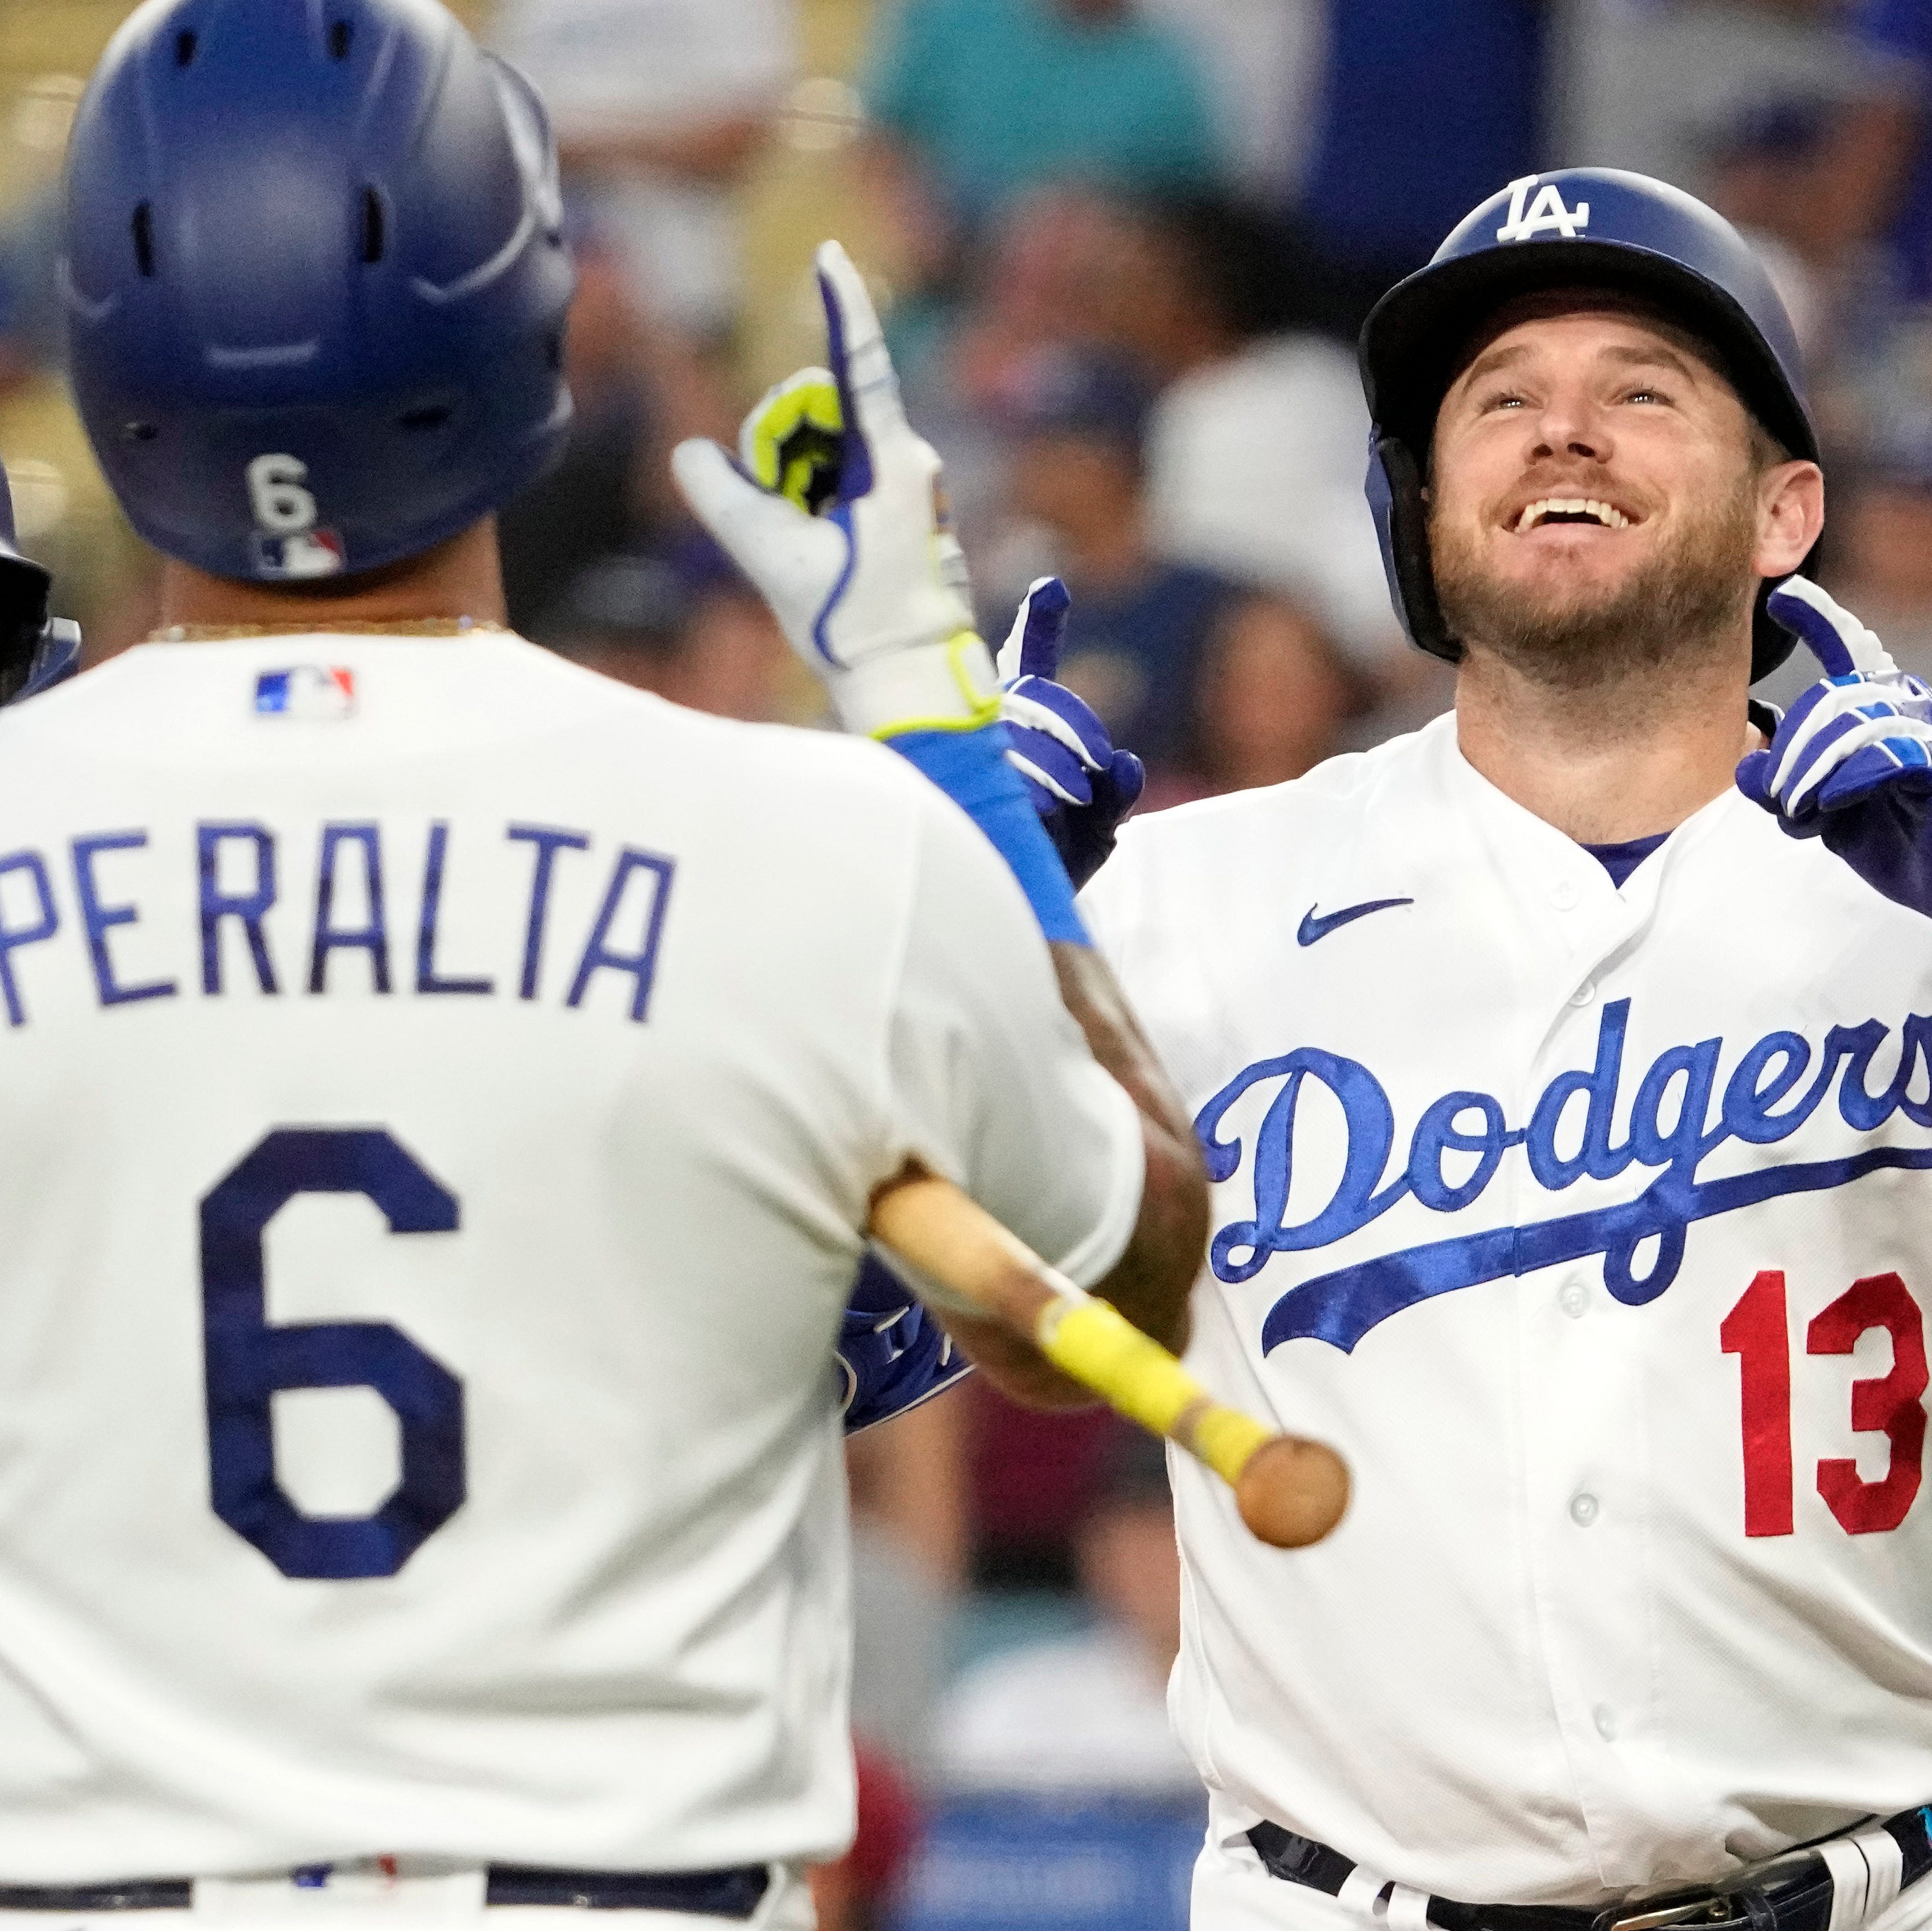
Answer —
445 1090
1570 1126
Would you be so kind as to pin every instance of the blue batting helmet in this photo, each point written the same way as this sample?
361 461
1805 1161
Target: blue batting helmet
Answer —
316 281
36 651
1595 227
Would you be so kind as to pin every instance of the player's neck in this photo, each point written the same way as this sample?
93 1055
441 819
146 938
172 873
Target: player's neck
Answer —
1608 765
461 578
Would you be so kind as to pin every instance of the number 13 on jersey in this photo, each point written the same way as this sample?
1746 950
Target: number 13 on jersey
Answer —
1891 1404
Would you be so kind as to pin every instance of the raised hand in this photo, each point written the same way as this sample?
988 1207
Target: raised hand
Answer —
834 511
1851 762
1080 786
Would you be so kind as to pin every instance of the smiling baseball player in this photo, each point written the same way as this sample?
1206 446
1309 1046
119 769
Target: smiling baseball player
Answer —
1567 1089
1570 1126
445 1091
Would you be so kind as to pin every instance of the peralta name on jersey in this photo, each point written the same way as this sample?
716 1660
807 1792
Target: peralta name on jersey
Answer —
244 925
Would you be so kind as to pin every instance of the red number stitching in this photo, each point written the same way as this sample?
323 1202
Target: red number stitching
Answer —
1888 1404
1891 1404
1755 1331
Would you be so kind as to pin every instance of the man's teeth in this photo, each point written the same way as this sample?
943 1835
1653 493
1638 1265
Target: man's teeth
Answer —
1585 509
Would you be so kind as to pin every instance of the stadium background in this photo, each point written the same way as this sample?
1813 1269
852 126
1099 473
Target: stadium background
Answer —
1123 245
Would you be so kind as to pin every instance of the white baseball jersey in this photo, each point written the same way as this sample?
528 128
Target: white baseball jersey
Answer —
1594 1228
438 1088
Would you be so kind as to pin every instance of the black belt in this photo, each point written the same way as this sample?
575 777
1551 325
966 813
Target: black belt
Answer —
733 1893
1791 1892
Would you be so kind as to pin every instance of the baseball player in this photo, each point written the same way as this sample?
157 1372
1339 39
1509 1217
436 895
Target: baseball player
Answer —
445 1090
1566 1087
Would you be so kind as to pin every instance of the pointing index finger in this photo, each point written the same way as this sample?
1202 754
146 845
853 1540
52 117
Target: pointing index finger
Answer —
1840 642
857 350
1032 648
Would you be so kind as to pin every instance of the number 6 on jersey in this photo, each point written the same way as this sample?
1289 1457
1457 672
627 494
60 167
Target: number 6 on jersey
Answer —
248 1361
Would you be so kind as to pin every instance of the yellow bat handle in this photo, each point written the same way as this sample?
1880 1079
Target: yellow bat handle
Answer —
1290 1491
1101 1349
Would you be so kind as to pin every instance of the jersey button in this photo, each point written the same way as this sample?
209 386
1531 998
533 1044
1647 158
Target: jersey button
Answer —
1605 1718
1583 1510
1584 993
1574 1300
1563 895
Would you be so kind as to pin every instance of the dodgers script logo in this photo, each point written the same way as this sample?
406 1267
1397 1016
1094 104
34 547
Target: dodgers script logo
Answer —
1678 1087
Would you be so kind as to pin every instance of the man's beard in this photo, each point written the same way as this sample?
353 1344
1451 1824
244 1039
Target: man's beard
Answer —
1685 604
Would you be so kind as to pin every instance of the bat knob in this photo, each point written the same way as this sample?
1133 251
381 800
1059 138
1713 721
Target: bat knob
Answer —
1292 1492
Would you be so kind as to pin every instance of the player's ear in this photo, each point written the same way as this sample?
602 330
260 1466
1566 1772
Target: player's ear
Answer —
1791 513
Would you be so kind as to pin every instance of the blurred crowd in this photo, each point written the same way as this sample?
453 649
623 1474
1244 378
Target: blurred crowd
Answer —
1123 247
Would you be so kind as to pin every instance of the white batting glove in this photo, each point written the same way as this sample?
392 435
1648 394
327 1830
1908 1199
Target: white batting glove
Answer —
871 590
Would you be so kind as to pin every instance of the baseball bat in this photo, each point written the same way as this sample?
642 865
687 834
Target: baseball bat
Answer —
1290 1491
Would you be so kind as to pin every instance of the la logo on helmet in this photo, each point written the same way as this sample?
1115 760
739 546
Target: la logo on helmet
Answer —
1545 215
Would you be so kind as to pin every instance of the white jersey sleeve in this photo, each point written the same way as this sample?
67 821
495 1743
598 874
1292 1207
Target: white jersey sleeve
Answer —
991 1082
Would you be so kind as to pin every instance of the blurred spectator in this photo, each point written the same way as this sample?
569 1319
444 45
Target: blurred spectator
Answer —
1666 86
1139 625
1874 180
1069 1805
1426 108
1033 1477
1879 562
30 317
976 101
687 628
1884 540
908 1480
1759 173
1215 683
586 505
1087 1713
1759 161
659 106
1262 58
1882 552
638 390
1257 445
1275 697
963 356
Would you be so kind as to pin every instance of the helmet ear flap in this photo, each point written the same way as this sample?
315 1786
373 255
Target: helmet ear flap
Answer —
1402 526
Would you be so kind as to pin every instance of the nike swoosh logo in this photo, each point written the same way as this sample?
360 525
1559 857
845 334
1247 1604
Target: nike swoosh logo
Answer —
1313 928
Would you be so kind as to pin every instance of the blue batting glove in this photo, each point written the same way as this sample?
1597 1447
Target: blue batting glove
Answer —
1851 762
1080 786
892 1353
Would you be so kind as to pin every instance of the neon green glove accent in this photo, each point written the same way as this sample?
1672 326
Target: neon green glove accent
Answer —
790 442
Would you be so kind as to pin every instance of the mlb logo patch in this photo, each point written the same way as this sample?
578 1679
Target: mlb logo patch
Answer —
307 690
308 552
